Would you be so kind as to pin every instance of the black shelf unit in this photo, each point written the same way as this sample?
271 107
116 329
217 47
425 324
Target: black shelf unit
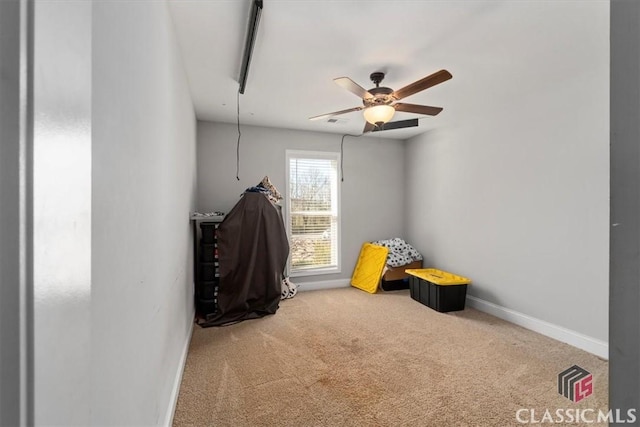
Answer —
206 264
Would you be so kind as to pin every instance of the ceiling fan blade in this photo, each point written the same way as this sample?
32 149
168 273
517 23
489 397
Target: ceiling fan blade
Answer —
396 125
420 109
422 84
353 87
335 113
368 127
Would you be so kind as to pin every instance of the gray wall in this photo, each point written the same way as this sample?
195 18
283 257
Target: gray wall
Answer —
114 182
62 212
373 194
624 319
514 192
144 160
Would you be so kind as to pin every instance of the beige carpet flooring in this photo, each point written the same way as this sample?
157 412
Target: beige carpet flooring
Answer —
342 357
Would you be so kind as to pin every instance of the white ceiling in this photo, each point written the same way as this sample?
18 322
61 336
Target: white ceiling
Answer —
302 45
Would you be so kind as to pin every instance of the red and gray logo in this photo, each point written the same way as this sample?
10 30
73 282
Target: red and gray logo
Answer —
575 383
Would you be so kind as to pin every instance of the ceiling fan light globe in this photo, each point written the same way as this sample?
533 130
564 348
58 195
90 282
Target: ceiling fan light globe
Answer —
379 114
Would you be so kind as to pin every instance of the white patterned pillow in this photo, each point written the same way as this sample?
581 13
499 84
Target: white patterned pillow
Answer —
289 289
273 191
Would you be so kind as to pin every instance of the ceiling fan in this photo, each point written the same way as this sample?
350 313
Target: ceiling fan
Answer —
379 103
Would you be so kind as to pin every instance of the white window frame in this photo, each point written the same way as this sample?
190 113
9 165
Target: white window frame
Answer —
328 155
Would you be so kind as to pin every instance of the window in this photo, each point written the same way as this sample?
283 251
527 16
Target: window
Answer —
313 223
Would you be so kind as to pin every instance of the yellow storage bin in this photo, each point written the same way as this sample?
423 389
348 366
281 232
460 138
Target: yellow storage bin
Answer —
437 289
368 270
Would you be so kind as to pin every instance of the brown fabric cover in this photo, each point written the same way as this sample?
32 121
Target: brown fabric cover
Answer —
253 250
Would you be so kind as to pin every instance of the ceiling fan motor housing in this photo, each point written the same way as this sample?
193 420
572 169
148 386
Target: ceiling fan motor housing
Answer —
381 96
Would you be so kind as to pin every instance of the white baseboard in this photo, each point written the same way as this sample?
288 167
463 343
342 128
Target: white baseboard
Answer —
173 400
324 284
592 345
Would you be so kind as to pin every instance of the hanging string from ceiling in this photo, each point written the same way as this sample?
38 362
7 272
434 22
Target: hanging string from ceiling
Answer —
342 153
